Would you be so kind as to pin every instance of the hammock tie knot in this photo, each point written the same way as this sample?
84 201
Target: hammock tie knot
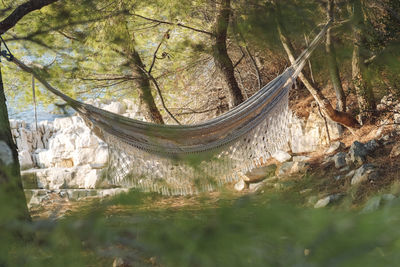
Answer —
6 53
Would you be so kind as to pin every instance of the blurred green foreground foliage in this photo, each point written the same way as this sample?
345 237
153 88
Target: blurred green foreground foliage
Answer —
228 231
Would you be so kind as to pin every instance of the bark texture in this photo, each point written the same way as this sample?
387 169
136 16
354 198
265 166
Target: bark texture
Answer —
10 176
332 63
220 53
141 77
142 82
365 95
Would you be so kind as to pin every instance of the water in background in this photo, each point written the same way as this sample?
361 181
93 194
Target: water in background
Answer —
49 112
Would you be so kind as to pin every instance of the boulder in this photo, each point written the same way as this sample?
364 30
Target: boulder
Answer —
25 160
86 177
62 123
395 152
13 124
323 202
43 158
371 145
357 153
76 177
24 140
299 166
240 186
259 174
83 156
334 147
281 156
374 203
87 140
340 160
256 186
285 168
55 178
364 173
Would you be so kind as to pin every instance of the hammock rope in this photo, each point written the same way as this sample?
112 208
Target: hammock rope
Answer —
187 159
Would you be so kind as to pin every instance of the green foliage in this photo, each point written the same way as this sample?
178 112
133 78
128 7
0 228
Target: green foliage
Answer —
251 230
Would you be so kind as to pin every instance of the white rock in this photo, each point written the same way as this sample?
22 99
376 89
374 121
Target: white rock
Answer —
286 168
395 151
84 156
13 124
62 123
115 107
334 147
87 140
25 159
86 177
240 186
102 155
22 141
281 156
43 158
396 117
380 107
91 178
299 166
322 202
327 200
76 120
365 172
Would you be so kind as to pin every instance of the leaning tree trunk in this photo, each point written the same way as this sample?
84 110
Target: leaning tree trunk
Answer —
141 79
337 116
365 95
10 176
142 82
332 63
220 52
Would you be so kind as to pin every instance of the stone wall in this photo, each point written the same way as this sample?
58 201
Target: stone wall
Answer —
65 153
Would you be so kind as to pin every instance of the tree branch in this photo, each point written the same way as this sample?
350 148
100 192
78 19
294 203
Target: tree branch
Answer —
21 11
240 59
171 23
165 36
62 26
162 98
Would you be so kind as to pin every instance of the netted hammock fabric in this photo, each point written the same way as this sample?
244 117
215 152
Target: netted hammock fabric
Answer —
187 159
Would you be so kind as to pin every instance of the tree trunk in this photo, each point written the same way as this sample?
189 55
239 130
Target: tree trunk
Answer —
220 53
142 82
365 95
10 176
332 63
337 116
141 78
